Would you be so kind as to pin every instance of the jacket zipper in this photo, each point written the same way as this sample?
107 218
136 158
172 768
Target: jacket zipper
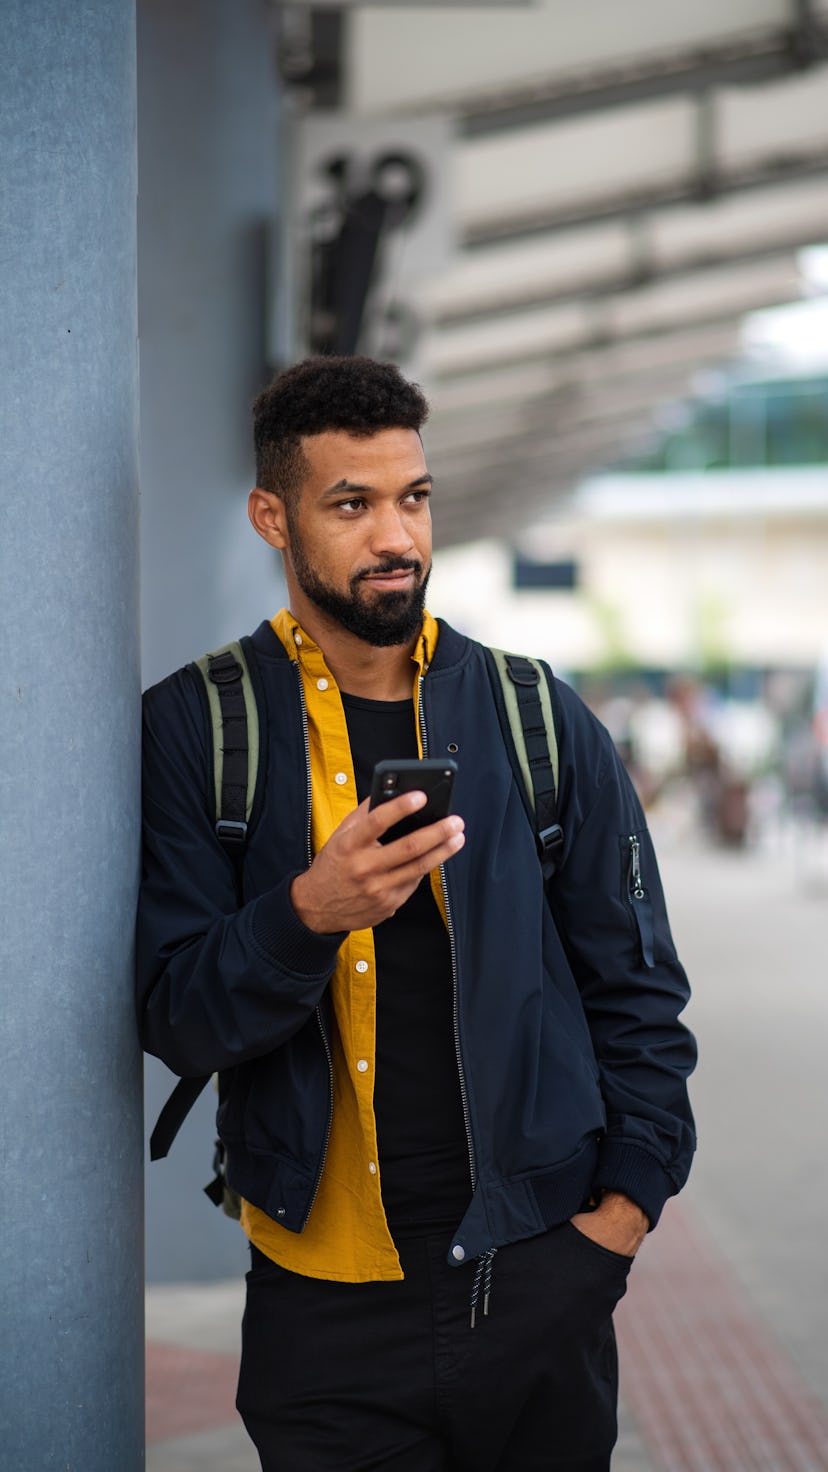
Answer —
324 1035
636 888
464 1098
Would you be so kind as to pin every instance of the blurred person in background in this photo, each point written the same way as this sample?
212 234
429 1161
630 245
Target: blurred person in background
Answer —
452 1095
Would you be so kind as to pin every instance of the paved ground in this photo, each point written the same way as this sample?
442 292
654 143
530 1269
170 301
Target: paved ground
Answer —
724 1332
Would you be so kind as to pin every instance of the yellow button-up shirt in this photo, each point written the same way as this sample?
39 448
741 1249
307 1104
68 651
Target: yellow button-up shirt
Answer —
347 1237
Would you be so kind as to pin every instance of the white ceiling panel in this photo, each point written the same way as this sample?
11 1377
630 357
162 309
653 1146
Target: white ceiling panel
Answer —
733 290
739 224
523 334
687 351
515 268
578 161
493 278
713 295
408 57
481 390
780 118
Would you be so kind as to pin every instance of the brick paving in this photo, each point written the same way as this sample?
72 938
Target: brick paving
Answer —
188 1390
708 1387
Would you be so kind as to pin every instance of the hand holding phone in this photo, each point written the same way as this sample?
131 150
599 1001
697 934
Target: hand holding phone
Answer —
354 882
431 775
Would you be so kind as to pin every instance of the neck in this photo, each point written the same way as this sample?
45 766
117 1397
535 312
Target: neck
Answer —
359 668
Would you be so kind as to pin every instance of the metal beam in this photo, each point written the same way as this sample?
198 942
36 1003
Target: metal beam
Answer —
691 348
753 58
771 173
601 337
640 277
573 399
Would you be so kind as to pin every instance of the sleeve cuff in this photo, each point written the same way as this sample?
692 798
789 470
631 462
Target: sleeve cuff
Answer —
636 1173
288 942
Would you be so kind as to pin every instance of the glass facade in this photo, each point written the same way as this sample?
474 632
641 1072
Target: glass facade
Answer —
778 422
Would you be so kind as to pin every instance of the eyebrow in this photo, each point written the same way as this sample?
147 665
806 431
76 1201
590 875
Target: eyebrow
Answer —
355 489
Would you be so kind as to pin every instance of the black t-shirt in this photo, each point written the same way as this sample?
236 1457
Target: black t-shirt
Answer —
423 1153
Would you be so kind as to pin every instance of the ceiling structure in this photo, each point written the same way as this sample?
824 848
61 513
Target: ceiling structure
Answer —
623 181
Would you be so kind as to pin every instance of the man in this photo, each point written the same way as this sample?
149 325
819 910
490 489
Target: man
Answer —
453 1103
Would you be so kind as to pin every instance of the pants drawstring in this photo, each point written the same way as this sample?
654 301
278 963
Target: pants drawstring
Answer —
482 1276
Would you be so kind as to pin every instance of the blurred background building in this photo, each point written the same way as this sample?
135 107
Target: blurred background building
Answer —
572 224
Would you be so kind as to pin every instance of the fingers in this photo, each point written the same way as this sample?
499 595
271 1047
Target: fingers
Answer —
380 819
356 881
416 853
400 866
386 814
424 850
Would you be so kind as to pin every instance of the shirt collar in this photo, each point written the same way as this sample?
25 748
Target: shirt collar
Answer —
297 642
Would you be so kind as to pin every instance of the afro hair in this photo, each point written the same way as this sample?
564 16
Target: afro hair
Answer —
358 395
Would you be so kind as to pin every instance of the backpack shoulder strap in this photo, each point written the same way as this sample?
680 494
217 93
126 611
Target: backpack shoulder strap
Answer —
234 719
524 704
234 725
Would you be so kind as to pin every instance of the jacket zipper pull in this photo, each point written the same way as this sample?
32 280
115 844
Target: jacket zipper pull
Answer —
636 886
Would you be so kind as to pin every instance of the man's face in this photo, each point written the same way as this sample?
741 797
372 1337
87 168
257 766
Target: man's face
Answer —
359 534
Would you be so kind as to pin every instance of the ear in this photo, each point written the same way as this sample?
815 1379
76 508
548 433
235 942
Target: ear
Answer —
267 515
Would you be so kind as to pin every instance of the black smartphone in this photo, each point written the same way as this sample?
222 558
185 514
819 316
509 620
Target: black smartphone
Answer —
432 776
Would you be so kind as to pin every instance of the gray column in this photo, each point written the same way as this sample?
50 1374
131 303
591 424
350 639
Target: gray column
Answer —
208 126
209 169
71 1379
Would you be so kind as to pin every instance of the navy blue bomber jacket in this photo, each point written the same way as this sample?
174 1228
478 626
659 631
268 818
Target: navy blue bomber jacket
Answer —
573 1058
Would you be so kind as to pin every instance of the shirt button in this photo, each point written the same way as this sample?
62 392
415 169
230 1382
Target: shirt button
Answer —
362 1066
297 638
372 1168
361 966
322 684
458 1252
341 778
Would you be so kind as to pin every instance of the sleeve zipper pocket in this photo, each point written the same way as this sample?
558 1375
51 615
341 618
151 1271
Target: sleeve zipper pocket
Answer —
639 900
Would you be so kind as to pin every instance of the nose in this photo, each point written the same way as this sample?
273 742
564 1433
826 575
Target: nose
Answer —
390 534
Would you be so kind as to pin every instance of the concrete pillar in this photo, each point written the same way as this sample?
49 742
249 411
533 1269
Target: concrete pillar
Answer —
208 131
71 1377
209 197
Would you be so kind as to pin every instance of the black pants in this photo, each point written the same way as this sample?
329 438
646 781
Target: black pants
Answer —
347 1377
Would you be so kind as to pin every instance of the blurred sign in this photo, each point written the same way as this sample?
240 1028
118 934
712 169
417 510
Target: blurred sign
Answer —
544 575
371 220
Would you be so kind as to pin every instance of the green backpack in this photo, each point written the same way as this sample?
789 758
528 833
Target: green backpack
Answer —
525 697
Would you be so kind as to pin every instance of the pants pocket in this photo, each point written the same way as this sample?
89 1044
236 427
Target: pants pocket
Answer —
598 1247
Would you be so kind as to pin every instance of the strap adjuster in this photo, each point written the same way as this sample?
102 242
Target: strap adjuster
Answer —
550 838
225 670
550 843
521 671
229 832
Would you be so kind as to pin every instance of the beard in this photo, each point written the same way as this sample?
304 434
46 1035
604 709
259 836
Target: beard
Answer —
381 620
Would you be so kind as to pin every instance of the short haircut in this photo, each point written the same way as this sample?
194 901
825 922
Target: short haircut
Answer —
356 394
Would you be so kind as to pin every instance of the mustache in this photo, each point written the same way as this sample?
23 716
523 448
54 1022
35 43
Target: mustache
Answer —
391 564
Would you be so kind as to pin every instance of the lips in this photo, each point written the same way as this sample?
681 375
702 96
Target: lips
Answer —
391 578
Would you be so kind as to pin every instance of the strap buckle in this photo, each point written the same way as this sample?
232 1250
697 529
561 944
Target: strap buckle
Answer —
550 842
229 832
